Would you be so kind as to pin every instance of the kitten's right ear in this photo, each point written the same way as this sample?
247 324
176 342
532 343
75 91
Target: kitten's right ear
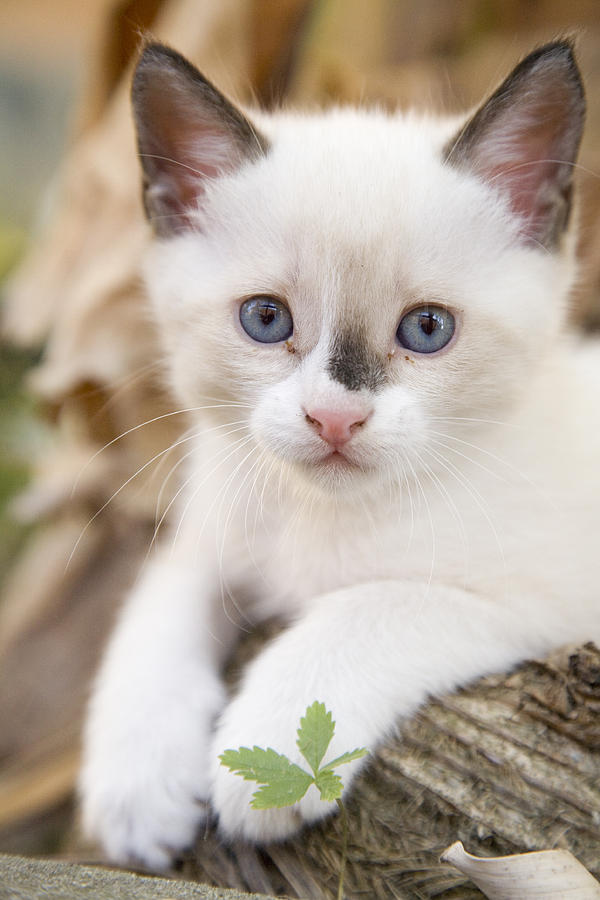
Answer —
187 132
524 140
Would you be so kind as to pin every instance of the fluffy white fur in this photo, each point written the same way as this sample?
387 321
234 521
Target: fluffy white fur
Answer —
459 535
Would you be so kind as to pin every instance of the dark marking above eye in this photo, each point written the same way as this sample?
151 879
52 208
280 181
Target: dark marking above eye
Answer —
353 364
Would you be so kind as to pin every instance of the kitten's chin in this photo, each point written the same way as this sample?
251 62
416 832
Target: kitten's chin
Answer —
337 475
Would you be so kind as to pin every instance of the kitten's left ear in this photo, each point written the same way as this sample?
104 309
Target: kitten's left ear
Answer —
187 133
524 140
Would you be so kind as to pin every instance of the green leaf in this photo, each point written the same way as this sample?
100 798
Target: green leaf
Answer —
345 758
284 783
259 765
329 784
282 792
315 733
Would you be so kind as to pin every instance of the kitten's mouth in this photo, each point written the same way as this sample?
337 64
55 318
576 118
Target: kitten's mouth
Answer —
337 465
337 459
337 471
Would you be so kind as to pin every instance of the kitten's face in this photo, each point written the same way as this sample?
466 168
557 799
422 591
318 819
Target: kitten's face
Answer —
357 293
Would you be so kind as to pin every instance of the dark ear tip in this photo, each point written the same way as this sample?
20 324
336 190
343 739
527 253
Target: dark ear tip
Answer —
560 47
152 55
561 51
154 51
155 56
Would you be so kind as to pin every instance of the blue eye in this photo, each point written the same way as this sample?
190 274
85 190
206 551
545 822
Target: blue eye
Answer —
426 329
266 319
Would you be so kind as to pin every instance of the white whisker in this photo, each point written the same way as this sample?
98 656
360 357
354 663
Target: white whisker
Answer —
503 462
233 448
240 426
494 475
418 484
223 583
124 434
260 506
475 495
449 500
121 488
264 461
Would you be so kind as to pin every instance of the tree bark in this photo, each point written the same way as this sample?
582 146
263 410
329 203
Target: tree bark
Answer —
28 879
508 765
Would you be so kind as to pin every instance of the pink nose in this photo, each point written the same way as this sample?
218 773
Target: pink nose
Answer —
336 426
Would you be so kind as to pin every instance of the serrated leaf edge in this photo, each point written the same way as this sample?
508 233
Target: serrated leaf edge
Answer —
317 707
245 770
348 757
256 796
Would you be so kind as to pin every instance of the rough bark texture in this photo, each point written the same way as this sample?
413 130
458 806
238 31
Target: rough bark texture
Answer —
26 879
508 765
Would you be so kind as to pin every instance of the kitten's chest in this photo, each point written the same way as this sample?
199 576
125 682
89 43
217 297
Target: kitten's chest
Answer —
474 536
297 557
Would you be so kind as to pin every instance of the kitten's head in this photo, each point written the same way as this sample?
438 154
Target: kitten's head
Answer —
358 281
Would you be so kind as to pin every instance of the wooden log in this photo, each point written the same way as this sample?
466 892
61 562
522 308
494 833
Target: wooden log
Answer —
508 765
28 879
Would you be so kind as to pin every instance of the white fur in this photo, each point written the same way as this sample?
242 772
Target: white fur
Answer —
462 539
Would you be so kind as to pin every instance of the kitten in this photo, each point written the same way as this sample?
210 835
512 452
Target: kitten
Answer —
395 441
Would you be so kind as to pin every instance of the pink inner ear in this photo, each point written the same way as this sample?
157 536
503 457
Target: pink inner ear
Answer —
187 132
523 141
524 158
186 145
527 155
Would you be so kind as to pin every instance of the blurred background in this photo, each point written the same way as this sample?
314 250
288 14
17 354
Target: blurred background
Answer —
42 70
77 356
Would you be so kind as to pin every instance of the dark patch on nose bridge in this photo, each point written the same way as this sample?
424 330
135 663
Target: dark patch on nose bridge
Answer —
353 364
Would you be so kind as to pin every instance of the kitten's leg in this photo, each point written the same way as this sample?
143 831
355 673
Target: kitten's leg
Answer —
372 654
145 758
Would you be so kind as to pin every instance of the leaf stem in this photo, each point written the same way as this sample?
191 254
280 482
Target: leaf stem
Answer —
342 809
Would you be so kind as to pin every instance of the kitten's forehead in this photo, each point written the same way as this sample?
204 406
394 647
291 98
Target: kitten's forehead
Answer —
357 197
347 204
345 156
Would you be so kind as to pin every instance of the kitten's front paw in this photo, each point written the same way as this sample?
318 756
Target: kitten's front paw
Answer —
231 797
140 816
257 718
144 784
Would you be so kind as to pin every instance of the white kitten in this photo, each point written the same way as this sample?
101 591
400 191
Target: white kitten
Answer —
395 444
